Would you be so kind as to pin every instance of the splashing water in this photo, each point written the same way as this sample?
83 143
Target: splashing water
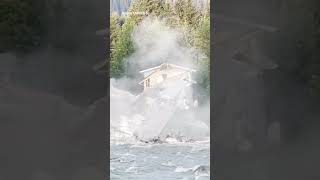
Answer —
161 133
155 113
166 114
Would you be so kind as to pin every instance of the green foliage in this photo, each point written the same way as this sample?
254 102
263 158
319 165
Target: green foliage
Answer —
201 41
114 28
183 15
186 12
121 47
150 7
202 35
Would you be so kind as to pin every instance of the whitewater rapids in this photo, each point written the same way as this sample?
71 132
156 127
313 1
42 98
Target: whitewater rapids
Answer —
156 114
183 149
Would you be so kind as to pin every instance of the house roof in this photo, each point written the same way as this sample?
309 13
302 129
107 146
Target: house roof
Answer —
150 74
172 65
151 71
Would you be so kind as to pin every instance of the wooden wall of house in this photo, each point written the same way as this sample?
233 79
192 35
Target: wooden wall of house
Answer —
171 74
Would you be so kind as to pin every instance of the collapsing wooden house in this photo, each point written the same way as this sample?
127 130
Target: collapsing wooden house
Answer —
167 97
154 77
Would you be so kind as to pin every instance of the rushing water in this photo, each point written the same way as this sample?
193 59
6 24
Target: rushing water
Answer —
166 161
180 148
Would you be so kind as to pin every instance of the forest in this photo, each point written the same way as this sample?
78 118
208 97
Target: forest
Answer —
194 22
64 31
27 25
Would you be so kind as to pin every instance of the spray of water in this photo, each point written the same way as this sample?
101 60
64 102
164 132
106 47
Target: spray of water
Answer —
150 114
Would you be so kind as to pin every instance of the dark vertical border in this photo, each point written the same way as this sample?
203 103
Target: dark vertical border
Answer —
212 87
296 156
107 158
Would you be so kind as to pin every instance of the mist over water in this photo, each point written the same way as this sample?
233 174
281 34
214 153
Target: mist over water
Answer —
143 117
157 113
158 133
156 43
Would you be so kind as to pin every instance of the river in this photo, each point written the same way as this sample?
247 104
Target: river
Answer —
165 161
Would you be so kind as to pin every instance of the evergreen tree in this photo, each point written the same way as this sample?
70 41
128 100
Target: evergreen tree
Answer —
183 15
122 48
114 29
